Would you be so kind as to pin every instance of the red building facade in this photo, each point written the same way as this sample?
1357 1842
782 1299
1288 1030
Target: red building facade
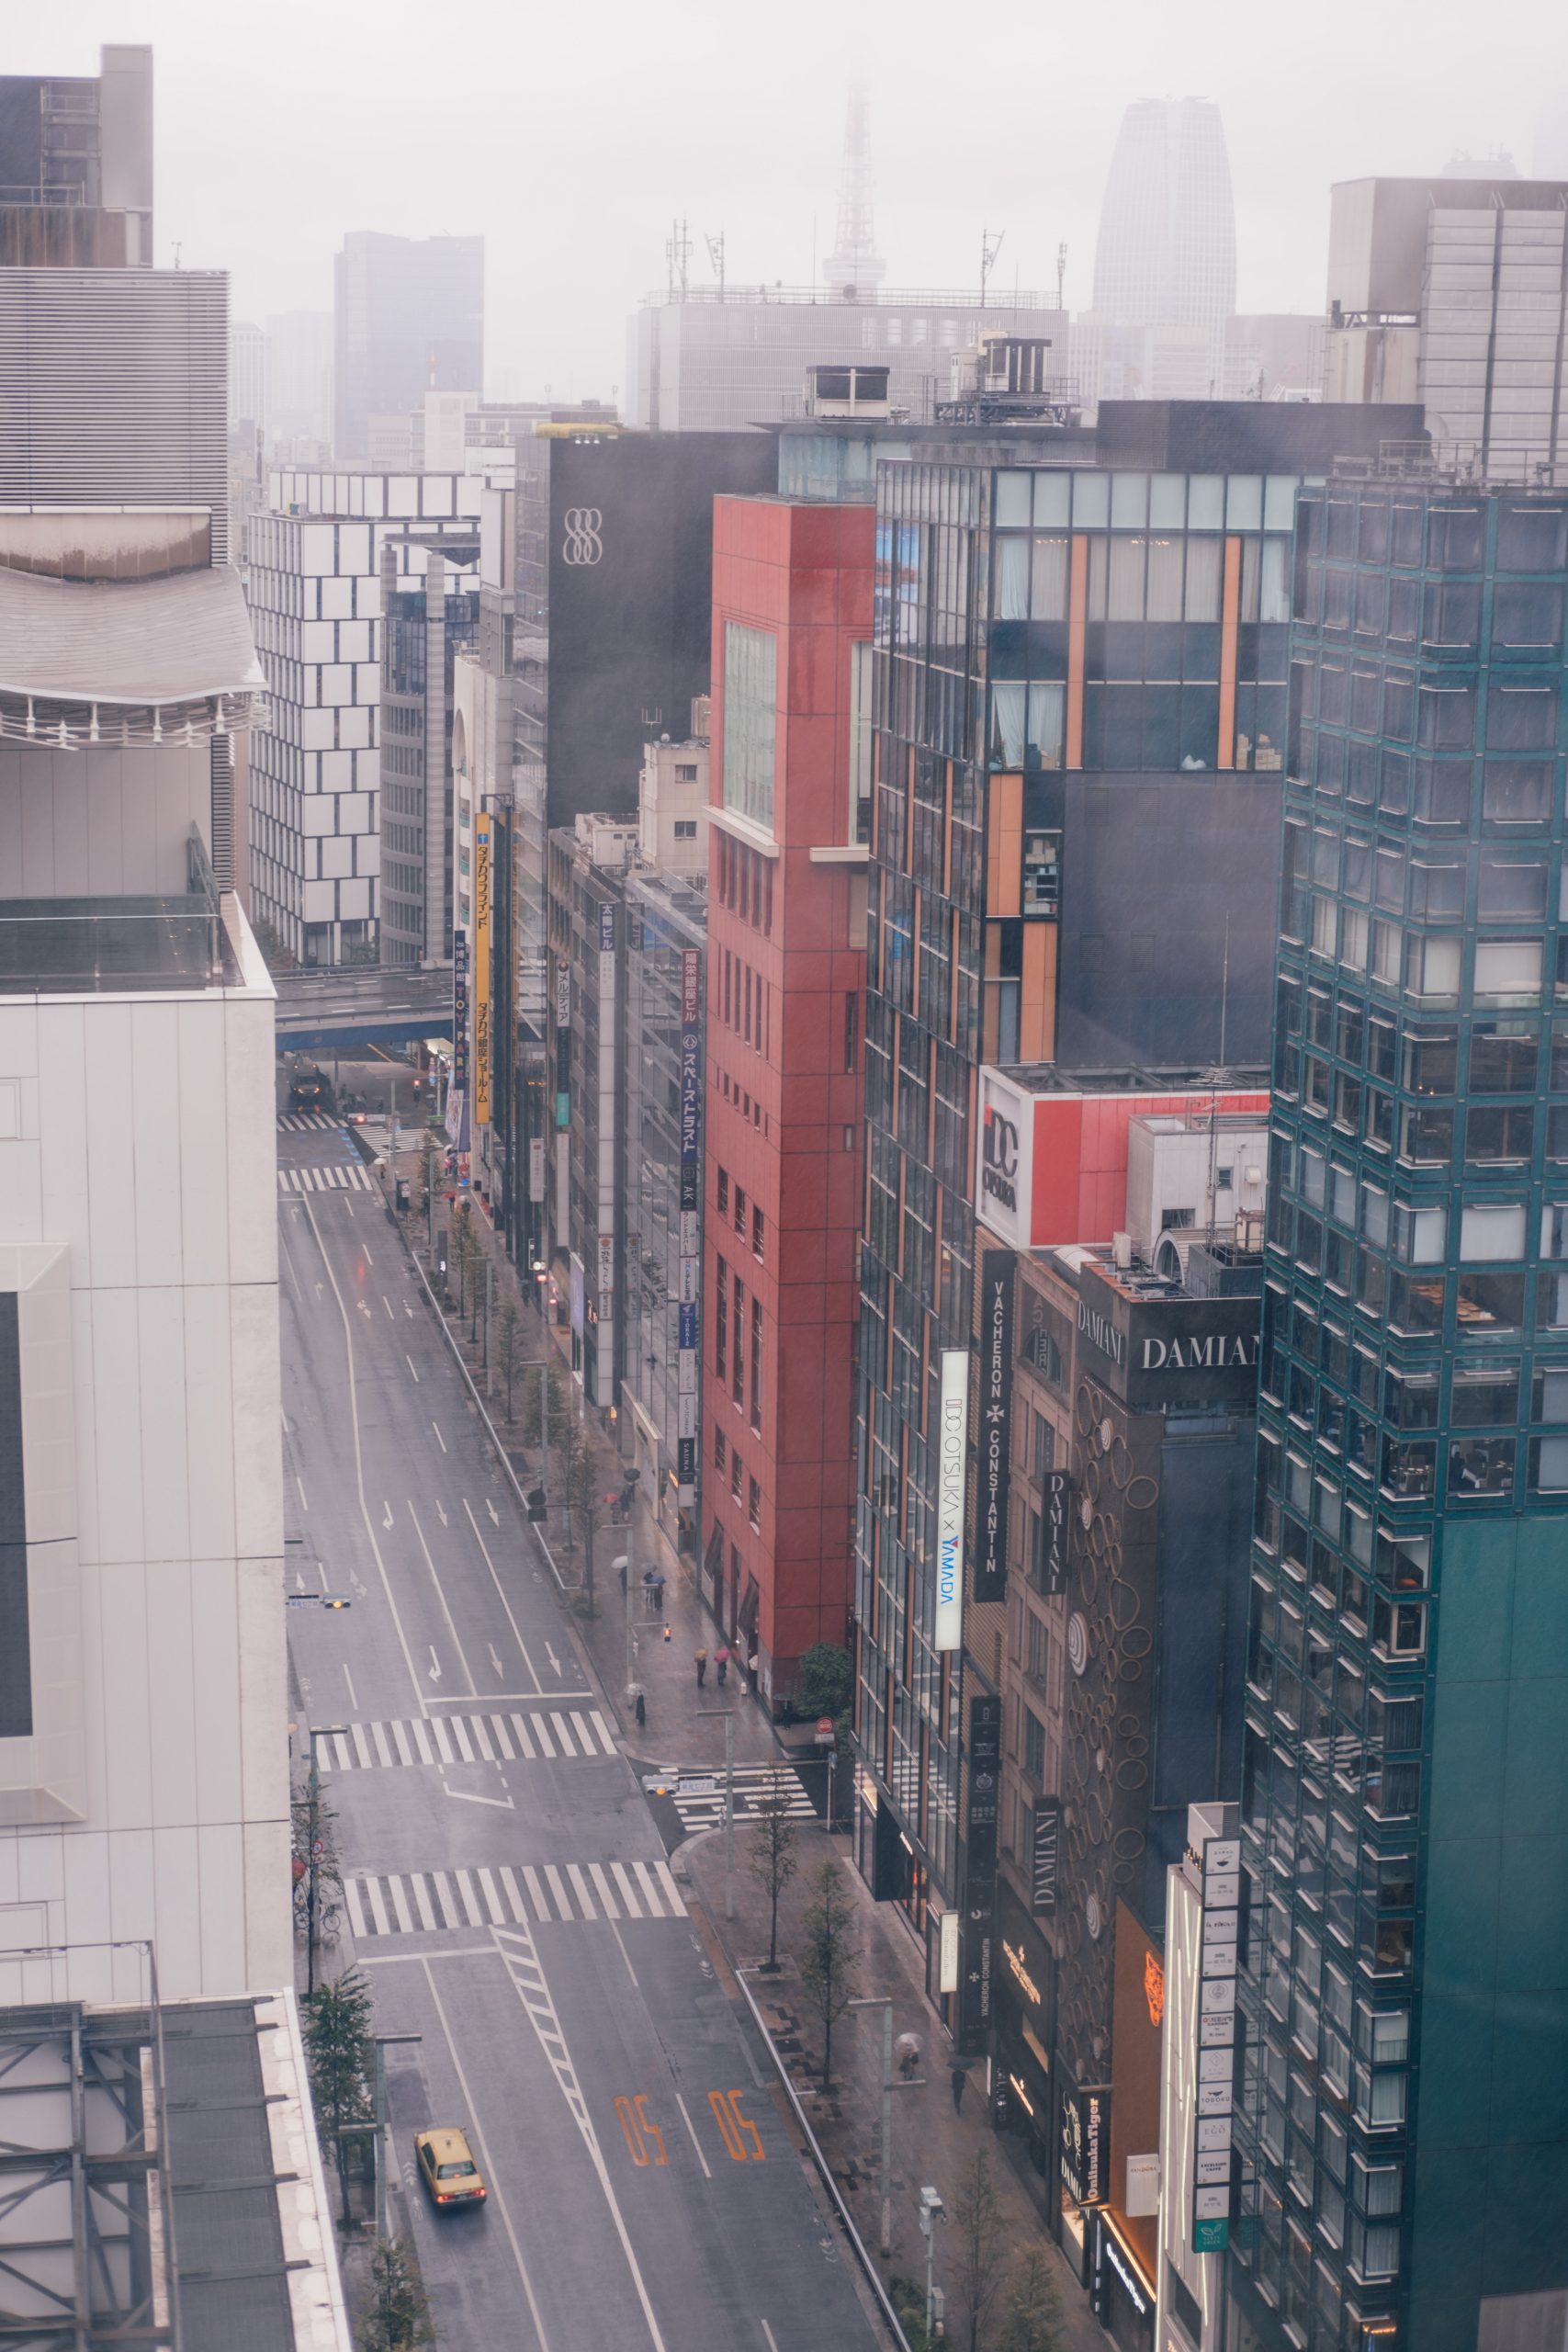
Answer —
784 1163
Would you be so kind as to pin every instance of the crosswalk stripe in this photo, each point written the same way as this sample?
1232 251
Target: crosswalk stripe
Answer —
580 1726
438 1725
668 1882
481 1739
465 1746
580 1736
345 1755
553 1881
531 1881
649 1886
361 1745
520 1731
355 1915
601 1727
472 1912
493 1904
422 1741
498 1733
514 1893
400 1740
377 1908
563 1734
377 1734
421 1899
596 1873
447 1899
541 1733
400 1905
580 1888
618 1872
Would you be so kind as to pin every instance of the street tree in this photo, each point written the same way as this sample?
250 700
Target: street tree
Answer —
509 1348
314 1855
977 2237
774 1856
338 2052
397 2317
1031 2314
826 1679
830 1956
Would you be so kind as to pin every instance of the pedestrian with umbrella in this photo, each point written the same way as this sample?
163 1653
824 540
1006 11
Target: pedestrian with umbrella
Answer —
721 1660
699 1658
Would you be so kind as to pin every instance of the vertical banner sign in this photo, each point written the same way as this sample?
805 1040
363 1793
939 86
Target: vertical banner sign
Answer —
535 1167
481 971
458 1093
952 1450
995 1425
691 1202
1045 1848
1054 1560
1214 1865
563 1045
980 1860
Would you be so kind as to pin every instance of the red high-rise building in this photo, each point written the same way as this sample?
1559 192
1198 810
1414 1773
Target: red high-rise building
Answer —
783 1153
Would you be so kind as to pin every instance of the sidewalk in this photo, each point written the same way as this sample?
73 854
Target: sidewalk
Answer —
932 2144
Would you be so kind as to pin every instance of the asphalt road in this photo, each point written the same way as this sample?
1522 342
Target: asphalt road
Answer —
506 1886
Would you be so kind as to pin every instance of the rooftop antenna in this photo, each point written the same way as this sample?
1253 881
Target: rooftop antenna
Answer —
677 253
990 248
854 261
1061 273
176 253
716 255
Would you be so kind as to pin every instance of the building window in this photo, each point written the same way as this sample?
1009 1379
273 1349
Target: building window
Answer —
758 1223
721 1322
1034 1745
754 1503
736 1474
859 743
686 773
740 1210
686 829
738 1386
1039 1656
723 1192
756 1363
750 668
717 1447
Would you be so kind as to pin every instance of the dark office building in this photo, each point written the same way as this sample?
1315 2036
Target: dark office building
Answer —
1402 2108
1053 642
77 165
409 318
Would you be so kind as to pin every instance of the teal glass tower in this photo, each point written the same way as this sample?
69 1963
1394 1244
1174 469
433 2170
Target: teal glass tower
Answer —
1402 2101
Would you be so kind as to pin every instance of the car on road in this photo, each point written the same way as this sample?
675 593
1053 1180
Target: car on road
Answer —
446 2167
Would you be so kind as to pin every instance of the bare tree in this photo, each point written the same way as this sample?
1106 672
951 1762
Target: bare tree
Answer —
830 1960
397 2316
774 1858
978 2232
509 1348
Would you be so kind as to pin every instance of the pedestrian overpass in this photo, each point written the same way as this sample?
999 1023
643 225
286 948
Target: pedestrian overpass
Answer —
362 1005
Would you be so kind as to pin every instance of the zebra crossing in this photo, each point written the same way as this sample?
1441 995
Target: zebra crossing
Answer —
506 1894
553 1735
699 1793
349 1177
301 1122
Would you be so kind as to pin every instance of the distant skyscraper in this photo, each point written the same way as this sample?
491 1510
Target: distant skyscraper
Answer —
299 376
247 375
1165 257
854 261
409 318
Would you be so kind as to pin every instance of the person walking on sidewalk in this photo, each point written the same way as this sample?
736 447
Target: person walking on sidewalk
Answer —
959 2079
721 1659
701 1660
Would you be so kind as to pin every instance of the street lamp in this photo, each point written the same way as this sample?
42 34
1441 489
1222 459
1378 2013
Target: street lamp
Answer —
325 1731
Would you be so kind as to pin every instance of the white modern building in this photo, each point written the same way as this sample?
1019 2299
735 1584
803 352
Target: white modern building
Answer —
315 589
144 1756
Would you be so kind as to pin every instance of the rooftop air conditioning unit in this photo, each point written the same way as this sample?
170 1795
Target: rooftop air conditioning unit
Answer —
1121 1250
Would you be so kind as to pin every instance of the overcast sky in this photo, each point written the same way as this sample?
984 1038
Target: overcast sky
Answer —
571 135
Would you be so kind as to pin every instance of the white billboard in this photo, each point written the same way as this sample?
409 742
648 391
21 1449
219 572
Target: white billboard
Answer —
1004 1174
951 1453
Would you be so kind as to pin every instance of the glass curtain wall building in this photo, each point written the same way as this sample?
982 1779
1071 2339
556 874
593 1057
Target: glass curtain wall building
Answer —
1402 2093
1031 621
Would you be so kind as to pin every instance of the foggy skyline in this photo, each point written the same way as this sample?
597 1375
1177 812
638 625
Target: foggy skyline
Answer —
571 142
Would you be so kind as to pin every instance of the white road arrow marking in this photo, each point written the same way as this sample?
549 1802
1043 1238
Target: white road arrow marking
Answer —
318 1290
494 1660
434 1665
441 1513
555 1661
471 1796
299 1585
386 1513
439 1439
494 1514
407 1307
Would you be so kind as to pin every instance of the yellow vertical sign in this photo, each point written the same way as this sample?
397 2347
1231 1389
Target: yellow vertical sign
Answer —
481 971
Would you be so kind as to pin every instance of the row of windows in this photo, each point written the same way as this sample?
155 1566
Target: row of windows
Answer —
738 1479
745 882
744 1000
1531 534
758 1223
733 1358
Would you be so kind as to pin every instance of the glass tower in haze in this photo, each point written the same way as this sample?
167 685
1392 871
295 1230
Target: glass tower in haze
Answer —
1165 259
1403 2091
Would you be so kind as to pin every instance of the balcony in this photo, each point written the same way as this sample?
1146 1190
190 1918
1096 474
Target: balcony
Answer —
91 947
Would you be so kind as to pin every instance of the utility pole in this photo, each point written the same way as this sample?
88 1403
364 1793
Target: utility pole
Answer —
990 248
889 2084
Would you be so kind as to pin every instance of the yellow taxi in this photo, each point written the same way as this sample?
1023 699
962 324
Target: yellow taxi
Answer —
446 2167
